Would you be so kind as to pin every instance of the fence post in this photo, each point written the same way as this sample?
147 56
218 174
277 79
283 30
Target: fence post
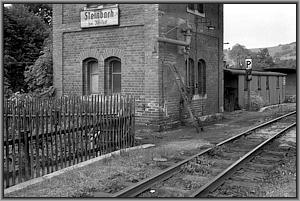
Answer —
20 168
6 120
26 147
133 121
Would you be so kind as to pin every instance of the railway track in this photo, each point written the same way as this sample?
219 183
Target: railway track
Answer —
250 178
201 174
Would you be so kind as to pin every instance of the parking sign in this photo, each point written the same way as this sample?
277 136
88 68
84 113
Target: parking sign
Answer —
248 63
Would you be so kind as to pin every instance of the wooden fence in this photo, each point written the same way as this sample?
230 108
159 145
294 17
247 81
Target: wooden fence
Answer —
43 136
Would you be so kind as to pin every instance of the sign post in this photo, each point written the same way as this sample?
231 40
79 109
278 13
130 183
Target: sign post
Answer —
248 77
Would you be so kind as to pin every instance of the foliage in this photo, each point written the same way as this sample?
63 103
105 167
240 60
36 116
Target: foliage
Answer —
8 61
238 54
290 99
44 11
262 59
256 100
290 63
19 98
39 76
24 35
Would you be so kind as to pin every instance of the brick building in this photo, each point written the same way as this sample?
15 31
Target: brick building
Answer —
124 48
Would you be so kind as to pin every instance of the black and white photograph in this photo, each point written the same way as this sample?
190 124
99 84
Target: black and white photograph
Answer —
153 100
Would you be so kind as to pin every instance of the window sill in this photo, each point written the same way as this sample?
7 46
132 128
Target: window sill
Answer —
195 12
198 97
100 7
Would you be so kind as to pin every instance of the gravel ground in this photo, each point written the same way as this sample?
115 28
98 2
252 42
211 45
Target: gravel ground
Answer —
281 182
111 175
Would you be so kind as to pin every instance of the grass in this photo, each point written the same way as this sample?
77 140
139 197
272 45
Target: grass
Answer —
200 166
108 175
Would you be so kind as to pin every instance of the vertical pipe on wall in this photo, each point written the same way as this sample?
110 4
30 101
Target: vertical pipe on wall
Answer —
218 60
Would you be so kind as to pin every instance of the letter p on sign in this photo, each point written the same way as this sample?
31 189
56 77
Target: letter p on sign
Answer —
248 63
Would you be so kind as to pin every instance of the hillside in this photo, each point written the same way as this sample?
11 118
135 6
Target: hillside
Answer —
281 52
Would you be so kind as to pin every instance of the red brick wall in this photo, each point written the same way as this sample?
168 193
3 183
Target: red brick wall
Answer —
134 41
208 46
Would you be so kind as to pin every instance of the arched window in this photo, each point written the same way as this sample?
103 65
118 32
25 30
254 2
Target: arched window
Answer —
190 76
112 75
90 76
201 77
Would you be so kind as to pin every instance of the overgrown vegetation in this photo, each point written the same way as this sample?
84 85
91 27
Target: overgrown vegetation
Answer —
239 53
283 56
200 165
26 26
256 101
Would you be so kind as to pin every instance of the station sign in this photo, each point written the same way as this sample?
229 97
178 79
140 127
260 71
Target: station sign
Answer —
99 17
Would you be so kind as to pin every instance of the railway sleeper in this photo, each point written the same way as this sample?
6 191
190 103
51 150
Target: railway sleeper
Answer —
248 178
166 191
250 140
260 166
231 155
222 163
245 184
243 150
235 191
267 159
244 172
273 153
196 178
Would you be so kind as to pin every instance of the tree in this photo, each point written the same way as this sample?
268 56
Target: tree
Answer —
262 59
238 54
44 11
39 76
24 35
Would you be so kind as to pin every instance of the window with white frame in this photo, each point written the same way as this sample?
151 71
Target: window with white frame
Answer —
196 77
90 76
113 75
196 8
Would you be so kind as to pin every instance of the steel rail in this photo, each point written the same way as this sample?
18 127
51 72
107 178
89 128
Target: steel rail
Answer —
220 178
145 184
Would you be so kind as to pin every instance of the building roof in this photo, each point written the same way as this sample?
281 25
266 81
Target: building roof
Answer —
243 72
282 70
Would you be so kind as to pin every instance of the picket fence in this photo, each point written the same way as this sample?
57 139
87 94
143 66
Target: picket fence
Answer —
45 135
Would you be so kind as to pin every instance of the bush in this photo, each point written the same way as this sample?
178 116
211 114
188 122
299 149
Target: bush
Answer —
290 99
256 101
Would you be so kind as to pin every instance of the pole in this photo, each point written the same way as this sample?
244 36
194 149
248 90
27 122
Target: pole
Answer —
248 100
248 75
